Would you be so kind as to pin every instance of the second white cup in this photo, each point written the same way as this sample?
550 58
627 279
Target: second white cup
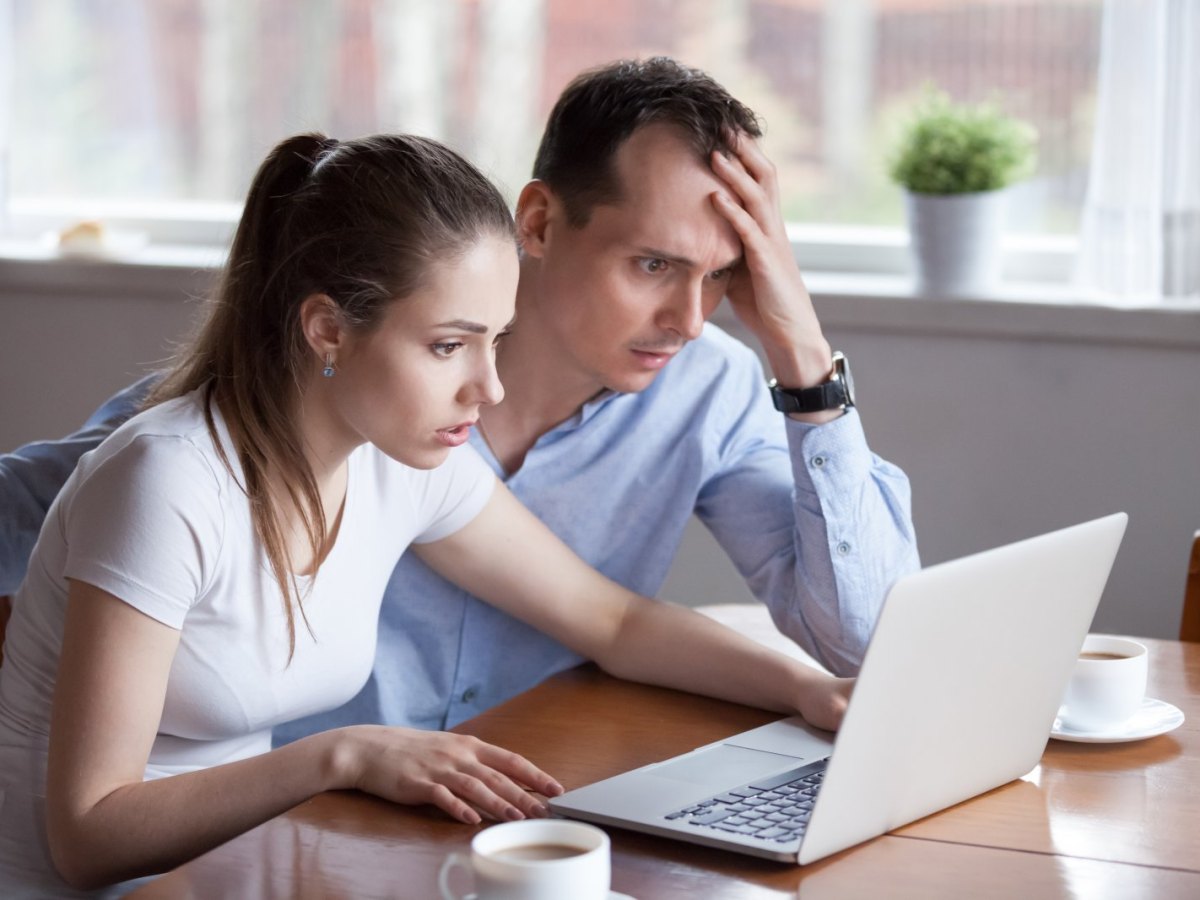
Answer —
1107 685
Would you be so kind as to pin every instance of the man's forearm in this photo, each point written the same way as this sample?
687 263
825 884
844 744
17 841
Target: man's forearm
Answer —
821 528
854 538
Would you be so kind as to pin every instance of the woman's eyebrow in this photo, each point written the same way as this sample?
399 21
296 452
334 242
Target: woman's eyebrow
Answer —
463 325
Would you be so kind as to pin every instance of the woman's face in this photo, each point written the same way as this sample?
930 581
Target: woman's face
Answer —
414 384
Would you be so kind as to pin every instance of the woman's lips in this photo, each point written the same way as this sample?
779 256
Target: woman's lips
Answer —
456 436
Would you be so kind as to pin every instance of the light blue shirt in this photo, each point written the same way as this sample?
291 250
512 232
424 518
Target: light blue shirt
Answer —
818 525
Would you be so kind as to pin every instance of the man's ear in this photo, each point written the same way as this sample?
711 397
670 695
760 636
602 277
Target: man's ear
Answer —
537 207
321 322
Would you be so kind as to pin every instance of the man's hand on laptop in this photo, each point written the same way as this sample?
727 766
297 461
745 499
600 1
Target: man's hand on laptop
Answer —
823 700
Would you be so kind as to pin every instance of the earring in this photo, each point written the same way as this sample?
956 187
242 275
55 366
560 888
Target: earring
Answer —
328 370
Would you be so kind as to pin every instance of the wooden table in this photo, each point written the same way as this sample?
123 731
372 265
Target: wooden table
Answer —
1091 821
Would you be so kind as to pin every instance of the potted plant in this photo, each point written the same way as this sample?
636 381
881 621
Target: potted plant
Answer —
955 162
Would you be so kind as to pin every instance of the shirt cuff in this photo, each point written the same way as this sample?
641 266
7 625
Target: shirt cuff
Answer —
833 456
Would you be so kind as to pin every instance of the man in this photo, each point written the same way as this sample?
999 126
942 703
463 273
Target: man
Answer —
625 413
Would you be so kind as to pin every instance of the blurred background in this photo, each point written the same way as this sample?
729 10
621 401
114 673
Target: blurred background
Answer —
171 103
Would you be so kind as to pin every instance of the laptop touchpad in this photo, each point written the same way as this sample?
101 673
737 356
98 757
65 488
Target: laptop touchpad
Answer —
725 765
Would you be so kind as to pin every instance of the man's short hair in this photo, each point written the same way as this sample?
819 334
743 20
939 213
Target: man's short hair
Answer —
601 108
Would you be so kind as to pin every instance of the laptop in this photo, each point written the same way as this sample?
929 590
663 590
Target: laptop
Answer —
957 695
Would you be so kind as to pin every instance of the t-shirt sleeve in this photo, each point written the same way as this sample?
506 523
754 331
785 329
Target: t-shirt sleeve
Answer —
146 526
454 493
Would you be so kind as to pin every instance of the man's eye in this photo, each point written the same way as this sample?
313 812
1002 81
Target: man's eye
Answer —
499 337
652 265
445 348
721 274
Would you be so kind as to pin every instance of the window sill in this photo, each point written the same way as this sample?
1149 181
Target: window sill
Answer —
865 302
31 267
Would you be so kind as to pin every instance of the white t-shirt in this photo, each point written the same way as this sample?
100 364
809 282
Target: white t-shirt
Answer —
154 517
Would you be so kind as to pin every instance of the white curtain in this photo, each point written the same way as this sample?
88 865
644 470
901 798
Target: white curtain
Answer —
6 46
1141 224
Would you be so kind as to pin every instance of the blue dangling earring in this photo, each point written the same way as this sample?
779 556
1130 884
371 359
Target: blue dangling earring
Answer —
328 370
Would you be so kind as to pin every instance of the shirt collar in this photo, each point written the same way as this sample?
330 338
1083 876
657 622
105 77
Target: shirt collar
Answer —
585 412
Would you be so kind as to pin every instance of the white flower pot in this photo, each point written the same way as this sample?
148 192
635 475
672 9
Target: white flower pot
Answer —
955 241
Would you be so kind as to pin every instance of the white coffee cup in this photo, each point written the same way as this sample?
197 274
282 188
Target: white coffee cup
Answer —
534 859
1107 685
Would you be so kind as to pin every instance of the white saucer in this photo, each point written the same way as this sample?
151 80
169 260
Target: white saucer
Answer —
1154 718
612 895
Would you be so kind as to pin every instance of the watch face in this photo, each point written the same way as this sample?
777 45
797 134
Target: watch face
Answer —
843 369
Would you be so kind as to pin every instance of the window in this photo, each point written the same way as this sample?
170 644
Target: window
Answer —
164 107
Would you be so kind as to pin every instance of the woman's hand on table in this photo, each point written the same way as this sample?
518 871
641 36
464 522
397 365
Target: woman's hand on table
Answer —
459 774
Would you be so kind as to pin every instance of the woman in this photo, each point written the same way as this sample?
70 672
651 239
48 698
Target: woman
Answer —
216 567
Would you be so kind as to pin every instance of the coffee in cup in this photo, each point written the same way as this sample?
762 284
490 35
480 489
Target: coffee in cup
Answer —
531 852
1107 685
534 859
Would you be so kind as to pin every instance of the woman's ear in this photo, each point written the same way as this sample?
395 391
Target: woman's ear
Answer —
321 322
537 207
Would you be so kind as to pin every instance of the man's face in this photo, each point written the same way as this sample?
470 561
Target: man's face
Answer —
625 292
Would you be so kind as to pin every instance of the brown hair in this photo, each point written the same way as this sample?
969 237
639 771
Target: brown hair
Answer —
600 109
361 222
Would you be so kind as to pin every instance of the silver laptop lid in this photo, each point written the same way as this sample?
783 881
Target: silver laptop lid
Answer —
961 682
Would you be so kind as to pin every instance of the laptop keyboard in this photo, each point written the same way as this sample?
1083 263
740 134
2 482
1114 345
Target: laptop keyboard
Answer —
774 809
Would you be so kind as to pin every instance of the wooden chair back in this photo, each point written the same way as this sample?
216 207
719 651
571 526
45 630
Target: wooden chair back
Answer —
5 610
1189 627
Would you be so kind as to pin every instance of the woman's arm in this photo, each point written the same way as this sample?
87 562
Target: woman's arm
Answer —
106 824
510 559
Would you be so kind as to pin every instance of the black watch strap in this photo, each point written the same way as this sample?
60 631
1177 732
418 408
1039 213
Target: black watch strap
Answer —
836 393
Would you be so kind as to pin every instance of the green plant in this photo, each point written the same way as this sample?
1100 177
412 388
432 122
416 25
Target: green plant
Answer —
951 148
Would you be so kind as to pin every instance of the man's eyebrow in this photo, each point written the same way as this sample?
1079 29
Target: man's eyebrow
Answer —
655 253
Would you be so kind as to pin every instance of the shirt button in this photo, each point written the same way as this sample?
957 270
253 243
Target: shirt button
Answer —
818 462
469 694
843 549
